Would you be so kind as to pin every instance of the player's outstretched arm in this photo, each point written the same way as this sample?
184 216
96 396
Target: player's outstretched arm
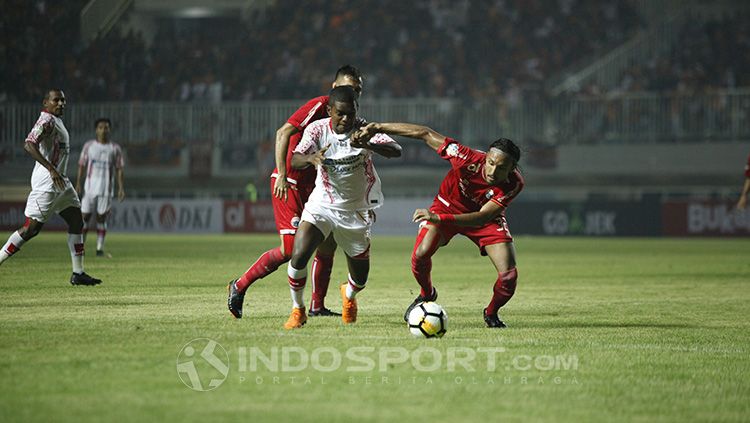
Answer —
489 211
431 137
379 143
283 135
34 152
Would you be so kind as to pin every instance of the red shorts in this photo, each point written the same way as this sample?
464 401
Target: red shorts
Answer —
287 212
494 232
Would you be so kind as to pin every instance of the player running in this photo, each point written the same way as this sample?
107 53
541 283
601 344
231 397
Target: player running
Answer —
101 159
471 201
347 190
51 191
291 189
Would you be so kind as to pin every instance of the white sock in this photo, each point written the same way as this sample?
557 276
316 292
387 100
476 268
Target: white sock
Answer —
75 243
353 288
297 280
298 300
101 232
14 244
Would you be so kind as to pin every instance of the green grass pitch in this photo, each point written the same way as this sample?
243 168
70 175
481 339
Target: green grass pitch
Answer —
600 330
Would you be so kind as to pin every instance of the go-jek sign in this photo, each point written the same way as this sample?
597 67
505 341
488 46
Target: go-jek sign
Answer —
178 216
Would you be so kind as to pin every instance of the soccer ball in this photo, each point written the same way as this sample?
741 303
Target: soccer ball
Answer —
428 320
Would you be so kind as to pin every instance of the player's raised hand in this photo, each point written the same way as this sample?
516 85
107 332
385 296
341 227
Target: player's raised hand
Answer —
364 133
424 215
280 187
359 139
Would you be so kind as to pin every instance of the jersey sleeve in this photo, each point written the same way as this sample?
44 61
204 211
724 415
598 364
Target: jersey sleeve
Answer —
382 139
309 112
506 196
43 124
310 141
456 153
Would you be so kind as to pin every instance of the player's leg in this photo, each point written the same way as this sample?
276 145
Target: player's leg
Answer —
352 233
103 208
307 239
321 277
429 239
74 219
101 233
87 209
286 214
359 270
503 257
30 229
38 209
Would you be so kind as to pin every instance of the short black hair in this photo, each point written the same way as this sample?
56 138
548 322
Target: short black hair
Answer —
344 94
508 147
56 90
348 70
102 119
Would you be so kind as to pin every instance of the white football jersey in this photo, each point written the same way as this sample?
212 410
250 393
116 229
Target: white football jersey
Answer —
53 141
101 160
347 179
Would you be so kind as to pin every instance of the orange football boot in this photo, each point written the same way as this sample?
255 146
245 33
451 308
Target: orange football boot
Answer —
296 319
348 307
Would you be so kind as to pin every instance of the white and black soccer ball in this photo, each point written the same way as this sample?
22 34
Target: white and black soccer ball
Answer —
428 320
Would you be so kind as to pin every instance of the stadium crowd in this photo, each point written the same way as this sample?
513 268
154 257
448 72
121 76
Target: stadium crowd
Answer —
443 44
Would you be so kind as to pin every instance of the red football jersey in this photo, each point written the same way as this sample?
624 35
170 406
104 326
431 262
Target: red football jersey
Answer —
463 189
309 112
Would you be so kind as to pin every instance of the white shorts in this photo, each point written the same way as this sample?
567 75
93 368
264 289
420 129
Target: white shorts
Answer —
351 229
41 204
101 203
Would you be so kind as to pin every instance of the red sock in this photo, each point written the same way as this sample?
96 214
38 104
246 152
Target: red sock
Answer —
321 277
421 266
503 291
264 266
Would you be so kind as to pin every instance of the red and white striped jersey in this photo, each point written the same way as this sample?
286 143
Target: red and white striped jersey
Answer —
53 141
347 179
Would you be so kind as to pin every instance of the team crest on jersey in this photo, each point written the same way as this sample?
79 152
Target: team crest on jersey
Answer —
295 222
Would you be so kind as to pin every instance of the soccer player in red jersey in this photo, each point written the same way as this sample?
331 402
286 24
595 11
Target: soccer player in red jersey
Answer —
471 201
742 202
291 189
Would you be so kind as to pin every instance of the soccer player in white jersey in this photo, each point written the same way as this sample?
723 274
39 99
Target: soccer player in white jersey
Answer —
51 191
347 190
101 160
